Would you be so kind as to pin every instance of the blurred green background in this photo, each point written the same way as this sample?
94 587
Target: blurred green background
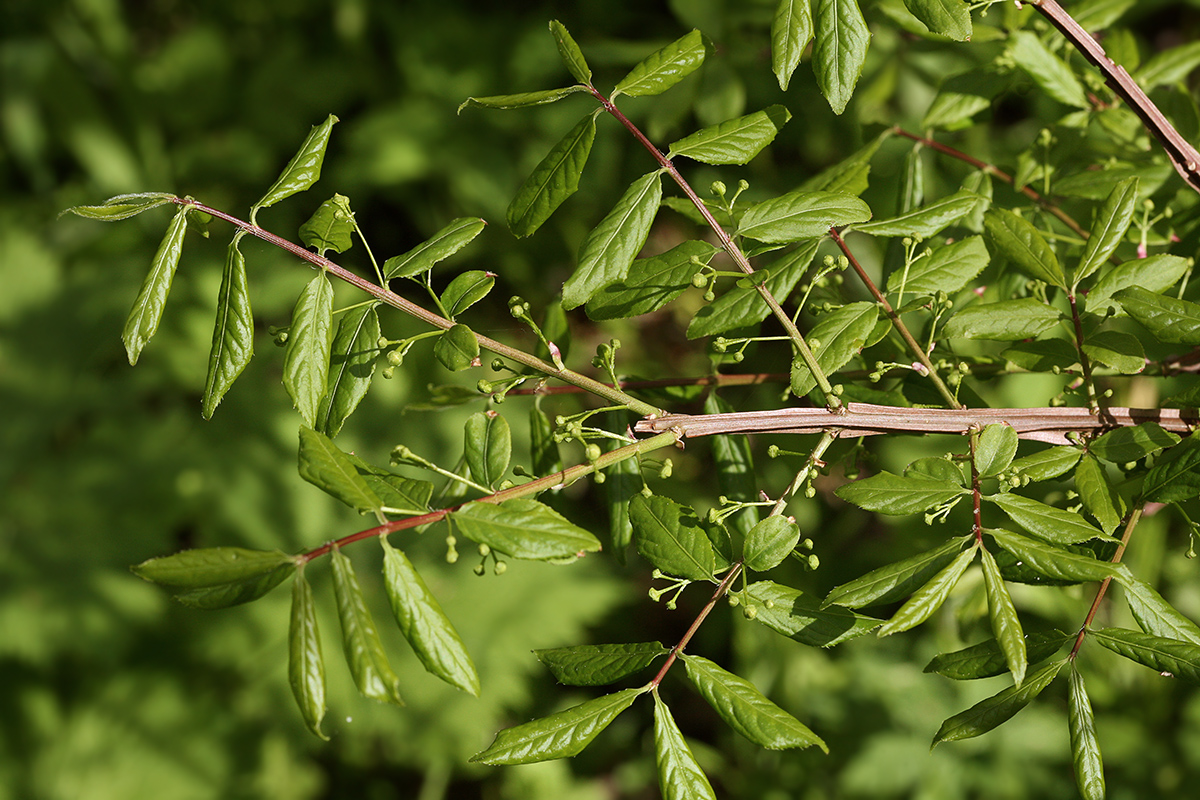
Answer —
110 690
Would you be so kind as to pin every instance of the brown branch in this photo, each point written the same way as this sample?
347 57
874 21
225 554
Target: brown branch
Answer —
1116 559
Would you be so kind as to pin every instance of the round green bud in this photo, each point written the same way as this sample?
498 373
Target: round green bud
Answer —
497 365
485 550
483 387
773 451
750 612
592 451
813 561
388 372
395 358
698 280
382 342
500 568
480 570
718 188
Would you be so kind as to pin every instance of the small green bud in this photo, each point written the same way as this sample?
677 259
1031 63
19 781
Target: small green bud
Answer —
395 358
750 612
480 569
813 561
483 387
388 373
718 188
600 477
665 472
497 365
699 281
382 342
773 451
500 568
592 451
485 550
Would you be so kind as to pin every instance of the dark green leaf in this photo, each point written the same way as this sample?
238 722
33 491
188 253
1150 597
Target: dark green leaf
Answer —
233 332
466 290
1047 70
801 215
1006 625
599 664
1156 616
488 446
679 775
621 482
1005 321
769 542
651 283
1108 229
743 306
424 624
147 309
1085 749
946 269
664 68
736 478
608 251
1175 477
364 651
1096 184
929 598
671 537
948 17
891 582
396 492
962 96
122 206
986 660
457 349
799 616
1180 659
1049 463
351 365
735 141
571 55
302 171
1043 355
1169 66
329 469
1124 445
1170 320
553 180
746 710
544 450
839 50
559 735
926 220
1017 239
521 99
331 227
1121 351
1057 563
1098 495
306 359
997 709
888 493
443 244
937 468
218 577
524 528
306 664
791 31
995 449
848 176
1097 15
836 339
1046 522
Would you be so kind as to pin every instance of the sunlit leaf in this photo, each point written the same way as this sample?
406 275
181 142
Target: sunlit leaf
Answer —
1175 476
666 67
122 206
302 171
947 269
457 349
1108 229
987 660
443 244
736 141
651 282
599 664
521 99
147 309
364 651
742 306
799 616
331 227
1006 625
571 55
466 290
929 598
1046 522
218 577
1056 563
801 215
1047 70
1180 659
306 358
524 528
888 493
791 31
1005 320
329 469
1049 463
352 359
1121 351
233 332
679 774
997 709
306 664
553 180
1017 239
1156 616
839 50
926 220
1134 443
837 338
671 537
1169 66
769 542
1167 318
1085 748
1099 496
995 449
891 582
948 17
488 446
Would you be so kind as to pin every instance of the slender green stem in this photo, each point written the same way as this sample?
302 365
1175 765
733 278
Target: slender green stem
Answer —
814 461
1085 364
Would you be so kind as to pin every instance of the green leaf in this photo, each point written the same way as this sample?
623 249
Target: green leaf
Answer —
997 709
791 31
1169 66
835 340
544 450
1124 445
801 215
651 283
1056 563
848 176
218 577
1180 659
1156 616
1047 70
1098 496
147 309
889 583
801 617
1048 523
1020 242
1005 321
553 180
929 598
524 528
840 49
571 55
1121 351
742 306
947 269
364 651
671 537
331 227
488 446
608 251
426 627
962 96
443 244
1043 355
306 664
1097 15
948 17
746 710
306 359
1108 229
736 478
233 332
466 290
735 141
995 449
1049 463
302 171
1175 477
888 493
123 206
1170 320
559 735
1085 749
599 664
1006 625
769 542
986 660
521 99
396 492
664 68
351 364
329 469
457 349
621 482
679 775
927 220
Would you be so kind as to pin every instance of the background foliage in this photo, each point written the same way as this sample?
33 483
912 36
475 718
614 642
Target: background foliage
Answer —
112 690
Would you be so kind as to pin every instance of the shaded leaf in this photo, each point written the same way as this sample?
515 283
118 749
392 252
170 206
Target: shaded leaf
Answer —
1124 445
1046 522
524 528
1005 321
736 478
329 469
835 340
1180 659
891 582
888 493
1175 476
997 709
1020 242
671 537
1169 66
306 358
396 492
218 577
544 450
364 651
651 282
302 171
233 331
553 180
679 775
1056 563
466 290
791 30
743 305
351 364
801 215
457 349
664 68
929 598
443 244
1006 625
1085 749
123 206
839 50
926 220
1043 355
801 617
599 664
487 446
1098 495
986 660
521 99
1156 616
735 141
306 664
948 17
1049 463
148 307
1047 70
331 227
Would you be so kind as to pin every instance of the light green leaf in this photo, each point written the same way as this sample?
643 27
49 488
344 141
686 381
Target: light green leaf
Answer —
1124 445
233 332
524 528
1175 476
651 283
302 171
147 309
1017 239
553 180
123 206
1096 15
364 651
801 617
521 99
791 30
329 469
1170 320
948 17
848 176
1121 351
1049 463
457 349
835 340
306 664
599 664
1098 496
801 215
1108 229
608 251
559 735
351 364
218 577
443 244
396 492
331 227
1085 749
1046 522
1005 321
769 542
488 446
742 306
306 359
1047 70
962 96
840 49
1169 66
1056 563
1097 184
946 269
426 627
997 709
466 290
986 660
735 141
995 449
889 583
664 68
1180 659
888 493
679 774
1156 616
1006 625
926 220
671 537
929 598
571 55
746 710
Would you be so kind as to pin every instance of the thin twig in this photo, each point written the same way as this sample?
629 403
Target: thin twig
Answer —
1116 559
